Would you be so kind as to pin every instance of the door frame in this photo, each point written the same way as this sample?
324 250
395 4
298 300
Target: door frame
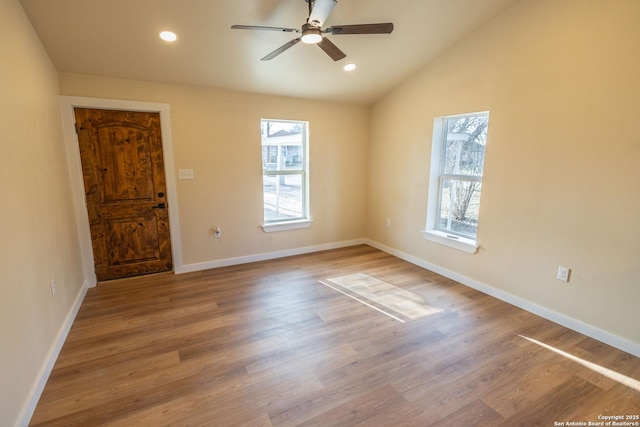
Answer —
67 105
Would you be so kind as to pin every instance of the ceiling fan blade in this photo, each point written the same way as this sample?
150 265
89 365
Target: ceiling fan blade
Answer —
331 49
382 28
321 11
259 27
281 49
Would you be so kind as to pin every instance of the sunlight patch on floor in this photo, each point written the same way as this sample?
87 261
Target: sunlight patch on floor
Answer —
388 299
616 376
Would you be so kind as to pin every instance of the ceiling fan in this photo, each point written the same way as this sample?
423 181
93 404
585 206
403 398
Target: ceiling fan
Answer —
311 32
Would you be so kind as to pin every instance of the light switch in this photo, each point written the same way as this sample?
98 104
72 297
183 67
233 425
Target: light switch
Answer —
185 174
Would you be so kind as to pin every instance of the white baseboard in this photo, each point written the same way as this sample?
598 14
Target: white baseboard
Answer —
561 319
266 256
41 380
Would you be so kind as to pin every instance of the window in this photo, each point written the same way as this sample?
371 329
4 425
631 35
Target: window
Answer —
285 174
457 163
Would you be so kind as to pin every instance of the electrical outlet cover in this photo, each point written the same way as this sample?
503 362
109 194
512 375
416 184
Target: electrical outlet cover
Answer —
563 273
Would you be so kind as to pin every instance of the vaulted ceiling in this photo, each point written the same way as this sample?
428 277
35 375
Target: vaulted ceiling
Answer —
119 38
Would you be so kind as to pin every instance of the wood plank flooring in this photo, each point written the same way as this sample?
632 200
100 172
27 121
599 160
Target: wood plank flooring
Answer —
266 344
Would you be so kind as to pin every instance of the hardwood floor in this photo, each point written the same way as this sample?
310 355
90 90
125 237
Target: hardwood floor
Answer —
266 344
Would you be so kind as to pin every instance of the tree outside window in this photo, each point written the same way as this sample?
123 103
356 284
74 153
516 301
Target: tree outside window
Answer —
457 165
465 139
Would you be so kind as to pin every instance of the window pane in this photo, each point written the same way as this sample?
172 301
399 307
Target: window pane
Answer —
466 138
284 170
459 206
282 157
283 197
282 145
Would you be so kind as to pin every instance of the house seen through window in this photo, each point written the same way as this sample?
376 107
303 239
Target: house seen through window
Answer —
457 166
284 170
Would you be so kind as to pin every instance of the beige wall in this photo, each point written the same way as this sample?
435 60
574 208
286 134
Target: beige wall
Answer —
562 172
38 239
217 133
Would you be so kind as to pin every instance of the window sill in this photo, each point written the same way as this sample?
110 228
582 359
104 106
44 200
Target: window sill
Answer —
456 242
284 226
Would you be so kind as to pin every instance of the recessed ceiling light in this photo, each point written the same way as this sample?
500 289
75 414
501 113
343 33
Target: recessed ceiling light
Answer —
349 67
168 36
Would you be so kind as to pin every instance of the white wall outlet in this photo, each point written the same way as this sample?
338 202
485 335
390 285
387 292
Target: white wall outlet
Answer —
563 273
52 284
185 174
388 222
217 233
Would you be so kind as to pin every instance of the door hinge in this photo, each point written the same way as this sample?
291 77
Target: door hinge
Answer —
76 126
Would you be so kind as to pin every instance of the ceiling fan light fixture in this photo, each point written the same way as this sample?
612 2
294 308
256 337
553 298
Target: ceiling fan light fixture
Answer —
311 35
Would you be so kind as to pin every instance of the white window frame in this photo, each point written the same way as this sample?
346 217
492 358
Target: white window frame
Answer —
304 221
436 176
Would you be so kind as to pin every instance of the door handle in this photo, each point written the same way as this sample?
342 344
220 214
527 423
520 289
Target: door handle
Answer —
159 206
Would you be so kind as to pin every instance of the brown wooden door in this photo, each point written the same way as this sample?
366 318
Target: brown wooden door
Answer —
123 169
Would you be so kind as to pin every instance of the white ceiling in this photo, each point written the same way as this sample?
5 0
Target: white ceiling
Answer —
118 38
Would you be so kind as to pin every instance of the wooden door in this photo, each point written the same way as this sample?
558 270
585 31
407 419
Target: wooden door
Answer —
123 169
